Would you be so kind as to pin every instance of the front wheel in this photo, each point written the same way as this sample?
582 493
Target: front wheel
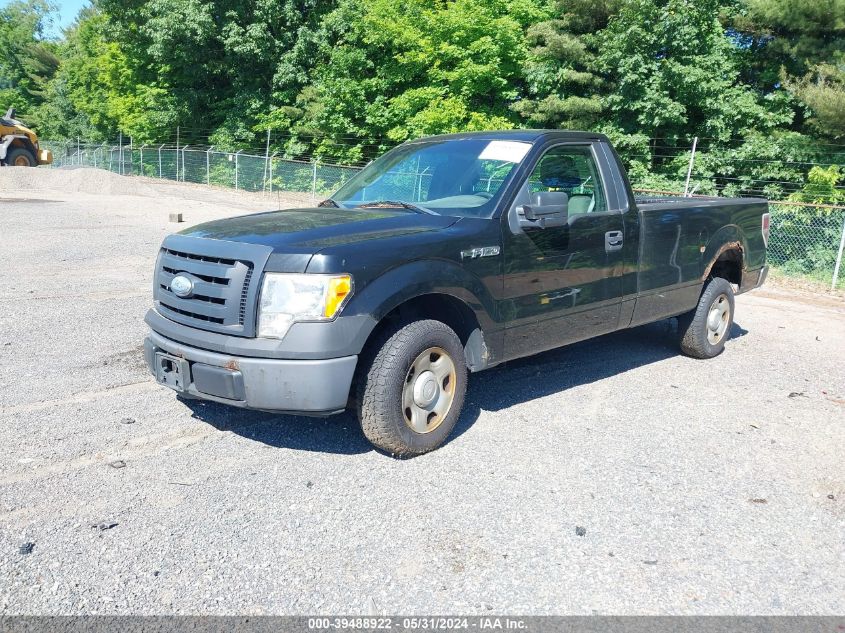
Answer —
411 388
20 157
704 331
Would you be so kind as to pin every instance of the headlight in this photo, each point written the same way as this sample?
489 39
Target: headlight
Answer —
286 299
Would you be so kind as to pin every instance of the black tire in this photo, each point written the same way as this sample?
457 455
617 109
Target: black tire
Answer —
385 375
20 157
701 337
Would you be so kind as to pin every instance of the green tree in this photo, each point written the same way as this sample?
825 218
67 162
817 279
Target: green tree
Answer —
564 83
676 74
94 93
801 45
822 186
397 70
223 64
823 90
29 58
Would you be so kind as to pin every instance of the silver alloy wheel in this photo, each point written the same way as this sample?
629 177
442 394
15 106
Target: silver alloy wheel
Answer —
718 318
429 390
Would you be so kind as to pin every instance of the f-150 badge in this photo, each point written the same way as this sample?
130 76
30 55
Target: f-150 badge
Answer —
483 251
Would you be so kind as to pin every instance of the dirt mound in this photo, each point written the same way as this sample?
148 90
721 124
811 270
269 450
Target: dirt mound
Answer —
87 180
82 180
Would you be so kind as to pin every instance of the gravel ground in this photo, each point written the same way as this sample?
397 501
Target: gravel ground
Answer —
614 476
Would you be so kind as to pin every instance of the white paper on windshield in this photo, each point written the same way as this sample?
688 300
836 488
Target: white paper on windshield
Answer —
508 151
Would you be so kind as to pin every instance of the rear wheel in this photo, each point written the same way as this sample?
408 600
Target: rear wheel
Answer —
20 157
704 331
411 388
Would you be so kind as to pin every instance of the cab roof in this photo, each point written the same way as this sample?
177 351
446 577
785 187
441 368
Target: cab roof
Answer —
530 136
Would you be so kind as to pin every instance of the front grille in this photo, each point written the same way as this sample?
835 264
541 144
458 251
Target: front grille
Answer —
223 294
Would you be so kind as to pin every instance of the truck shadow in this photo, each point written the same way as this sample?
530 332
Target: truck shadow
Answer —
337 434
583 363
504 386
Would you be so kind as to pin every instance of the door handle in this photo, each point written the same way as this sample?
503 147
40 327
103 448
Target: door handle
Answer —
613 241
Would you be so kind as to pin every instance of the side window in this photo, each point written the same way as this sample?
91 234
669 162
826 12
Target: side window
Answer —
571 169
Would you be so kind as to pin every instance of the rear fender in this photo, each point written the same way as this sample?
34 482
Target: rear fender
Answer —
727 238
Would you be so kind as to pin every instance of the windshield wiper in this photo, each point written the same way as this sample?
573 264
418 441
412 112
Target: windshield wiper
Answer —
328 202
387 204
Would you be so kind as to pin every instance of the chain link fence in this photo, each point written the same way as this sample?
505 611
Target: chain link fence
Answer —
806 240
236 170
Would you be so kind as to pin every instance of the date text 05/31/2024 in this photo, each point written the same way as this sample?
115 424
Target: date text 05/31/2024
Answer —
417 624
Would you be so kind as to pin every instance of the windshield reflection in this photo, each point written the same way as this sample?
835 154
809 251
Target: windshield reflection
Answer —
449 177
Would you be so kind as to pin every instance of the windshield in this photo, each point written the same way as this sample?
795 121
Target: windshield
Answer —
462 177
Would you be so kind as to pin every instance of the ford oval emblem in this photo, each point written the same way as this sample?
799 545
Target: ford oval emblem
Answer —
181 286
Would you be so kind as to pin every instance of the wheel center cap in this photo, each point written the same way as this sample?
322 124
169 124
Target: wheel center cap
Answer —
426 389
714 320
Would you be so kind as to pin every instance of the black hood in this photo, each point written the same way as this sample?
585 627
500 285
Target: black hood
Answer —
311 230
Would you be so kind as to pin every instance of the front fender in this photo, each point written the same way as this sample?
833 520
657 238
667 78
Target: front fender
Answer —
389 290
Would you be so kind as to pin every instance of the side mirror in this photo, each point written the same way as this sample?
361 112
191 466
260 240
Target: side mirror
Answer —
547 209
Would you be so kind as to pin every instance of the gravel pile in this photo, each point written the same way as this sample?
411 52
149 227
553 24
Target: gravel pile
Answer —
83 180
92 181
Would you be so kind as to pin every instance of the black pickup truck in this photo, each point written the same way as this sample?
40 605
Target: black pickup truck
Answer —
447 255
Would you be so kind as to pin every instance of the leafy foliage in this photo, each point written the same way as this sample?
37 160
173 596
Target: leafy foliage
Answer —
761 82
676 71
562 70
28 60
391 70
799 45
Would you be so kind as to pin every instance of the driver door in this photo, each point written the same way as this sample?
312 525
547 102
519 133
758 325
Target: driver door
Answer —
562 283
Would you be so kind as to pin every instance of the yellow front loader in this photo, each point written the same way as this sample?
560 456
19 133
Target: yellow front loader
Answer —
19 144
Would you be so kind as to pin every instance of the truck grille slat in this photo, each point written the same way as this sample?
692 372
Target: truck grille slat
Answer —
199 297
220 281
201 258
198 306
224 288
192 315
213 270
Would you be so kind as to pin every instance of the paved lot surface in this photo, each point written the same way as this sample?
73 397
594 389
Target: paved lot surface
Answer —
703 486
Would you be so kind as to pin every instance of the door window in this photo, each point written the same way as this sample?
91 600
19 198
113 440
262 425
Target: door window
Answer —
572 170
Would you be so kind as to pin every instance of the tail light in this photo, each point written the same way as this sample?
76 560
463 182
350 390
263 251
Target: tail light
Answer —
765 228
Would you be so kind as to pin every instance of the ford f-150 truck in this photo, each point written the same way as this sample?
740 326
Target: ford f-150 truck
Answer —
447 255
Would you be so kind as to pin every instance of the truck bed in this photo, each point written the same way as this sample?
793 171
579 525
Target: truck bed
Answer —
679 236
